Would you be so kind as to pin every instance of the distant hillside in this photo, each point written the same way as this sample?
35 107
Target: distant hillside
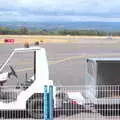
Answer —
104 26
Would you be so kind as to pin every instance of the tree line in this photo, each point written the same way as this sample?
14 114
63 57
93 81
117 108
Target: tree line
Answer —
26 31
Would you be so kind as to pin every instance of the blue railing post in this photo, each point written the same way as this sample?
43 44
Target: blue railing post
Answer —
51 102
46 114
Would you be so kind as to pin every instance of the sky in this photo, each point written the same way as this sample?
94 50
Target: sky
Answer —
60 10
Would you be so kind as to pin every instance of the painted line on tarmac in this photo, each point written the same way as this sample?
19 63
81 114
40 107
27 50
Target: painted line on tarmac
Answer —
82 56
53 62
66 59
26 69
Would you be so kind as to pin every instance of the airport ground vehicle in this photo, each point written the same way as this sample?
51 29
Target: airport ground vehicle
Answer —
101 92
22 86
9 41
24 94
103 75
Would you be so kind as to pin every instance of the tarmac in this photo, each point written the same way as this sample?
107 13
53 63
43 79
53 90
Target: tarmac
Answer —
67 61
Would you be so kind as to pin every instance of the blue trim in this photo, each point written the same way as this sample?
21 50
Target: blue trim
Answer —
46 103
50 102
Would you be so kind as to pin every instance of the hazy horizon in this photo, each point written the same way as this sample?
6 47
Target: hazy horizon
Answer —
104 26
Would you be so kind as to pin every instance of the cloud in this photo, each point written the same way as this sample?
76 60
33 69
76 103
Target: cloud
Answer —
60 9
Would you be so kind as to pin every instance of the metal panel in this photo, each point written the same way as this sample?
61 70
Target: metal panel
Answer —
108 73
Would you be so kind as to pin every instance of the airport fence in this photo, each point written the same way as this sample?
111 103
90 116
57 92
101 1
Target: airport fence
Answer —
88 102
69 102
12 105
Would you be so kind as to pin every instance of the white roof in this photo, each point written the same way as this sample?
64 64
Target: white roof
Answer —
105 59
28 49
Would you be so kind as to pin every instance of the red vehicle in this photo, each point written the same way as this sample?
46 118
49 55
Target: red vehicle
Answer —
7 40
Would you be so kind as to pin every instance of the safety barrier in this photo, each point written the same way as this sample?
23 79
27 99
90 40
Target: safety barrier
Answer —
11 109
88 102
70 103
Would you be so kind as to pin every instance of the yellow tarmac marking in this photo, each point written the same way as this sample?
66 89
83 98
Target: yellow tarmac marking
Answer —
53 62
71 58
66 59
82 56
26 69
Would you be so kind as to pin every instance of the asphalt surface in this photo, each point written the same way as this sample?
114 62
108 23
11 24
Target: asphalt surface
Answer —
66 63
